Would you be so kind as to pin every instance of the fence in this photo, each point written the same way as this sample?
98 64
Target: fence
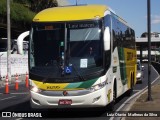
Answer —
19 64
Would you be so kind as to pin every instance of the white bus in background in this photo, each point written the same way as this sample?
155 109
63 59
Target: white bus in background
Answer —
18 46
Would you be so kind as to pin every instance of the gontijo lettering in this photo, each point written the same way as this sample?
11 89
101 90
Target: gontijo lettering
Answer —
53 87
129 56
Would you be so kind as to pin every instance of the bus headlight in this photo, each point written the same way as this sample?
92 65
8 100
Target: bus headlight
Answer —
97 87
35 89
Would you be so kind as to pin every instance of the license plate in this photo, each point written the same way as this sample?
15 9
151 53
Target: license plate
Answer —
65 102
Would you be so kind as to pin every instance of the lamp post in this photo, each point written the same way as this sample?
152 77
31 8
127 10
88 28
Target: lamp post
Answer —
8 41
149 50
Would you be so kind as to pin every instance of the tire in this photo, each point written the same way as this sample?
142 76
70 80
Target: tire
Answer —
141 82
111 105
130 91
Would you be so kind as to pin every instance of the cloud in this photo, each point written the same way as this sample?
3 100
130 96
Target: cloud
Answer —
155 19
62 2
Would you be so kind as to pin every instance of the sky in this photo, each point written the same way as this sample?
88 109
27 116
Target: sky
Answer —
132 11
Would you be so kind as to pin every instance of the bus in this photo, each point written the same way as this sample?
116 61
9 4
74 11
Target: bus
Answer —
3 46
80 56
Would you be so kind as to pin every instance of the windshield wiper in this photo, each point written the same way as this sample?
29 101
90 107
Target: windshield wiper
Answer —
78 74
58 64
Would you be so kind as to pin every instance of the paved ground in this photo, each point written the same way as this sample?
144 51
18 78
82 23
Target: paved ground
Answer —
142 104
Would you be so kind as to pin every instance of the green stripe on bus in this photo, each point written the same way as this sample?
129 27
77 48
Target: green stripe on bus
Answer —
88 84
122 63
73 85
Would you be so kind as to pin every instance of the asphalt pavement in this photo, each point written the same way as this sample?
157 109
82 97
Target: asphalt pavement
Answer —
144 109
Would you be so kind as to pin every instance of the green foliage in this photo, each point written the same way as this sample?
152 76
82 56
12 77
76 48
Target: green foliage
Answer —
21 1
38 5
18 12
3 7
21 13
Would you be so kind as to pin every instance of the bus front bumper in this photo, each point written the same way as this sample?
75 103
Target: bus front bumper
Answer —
99 98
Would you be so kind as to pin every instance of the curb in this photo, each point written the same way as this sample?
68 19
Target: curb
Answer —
130 101
138 96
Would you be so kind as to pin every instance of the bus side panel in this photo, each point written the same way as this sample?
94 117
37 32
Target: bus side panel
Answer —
128 67
123 43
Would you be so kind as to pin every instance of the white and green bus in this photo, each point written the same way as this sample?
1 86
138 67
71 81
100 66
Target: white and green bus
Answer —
80 56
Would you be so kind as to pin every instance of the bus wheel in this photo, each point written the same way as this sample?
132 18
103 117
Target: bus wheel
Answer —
111 106
130 91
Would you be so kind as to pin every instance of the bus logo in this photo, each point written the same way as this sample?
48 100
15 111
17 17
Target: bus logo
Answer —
65 93
53 87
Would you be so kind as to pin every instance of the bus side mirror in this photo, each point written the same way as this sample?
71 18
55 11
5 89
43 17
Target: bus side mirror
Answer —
107 39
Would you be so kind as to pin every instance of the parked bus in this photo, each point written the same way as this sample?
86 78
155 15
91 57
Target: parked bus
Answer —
23 46
80 56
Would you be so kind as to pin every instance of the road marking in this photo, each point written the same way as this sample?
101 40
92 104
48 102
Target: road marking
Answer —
7 98
136 90
140 93
20 93
137 95
155 70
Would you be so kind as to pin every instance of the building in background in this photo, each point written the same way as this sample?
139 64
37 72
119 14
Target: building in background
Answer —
142 46
153 34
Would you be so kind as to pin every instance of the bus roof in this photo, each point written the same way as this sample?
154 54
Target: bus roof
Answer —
71 13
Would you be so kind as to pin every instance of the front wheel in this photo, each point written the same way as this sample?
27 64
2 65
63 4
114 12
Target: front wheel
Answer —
111 105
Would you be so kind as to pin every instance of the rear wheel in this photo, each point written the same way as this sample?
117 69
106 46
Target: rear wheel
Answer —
131 86
141 81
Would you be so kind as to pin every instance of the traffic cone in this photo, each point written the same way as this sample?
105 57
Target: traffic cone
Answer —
26 80
6 86
16 82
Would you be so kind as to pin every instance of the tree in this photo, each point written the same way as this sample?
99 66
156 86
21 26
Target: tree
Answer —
38 5
23 12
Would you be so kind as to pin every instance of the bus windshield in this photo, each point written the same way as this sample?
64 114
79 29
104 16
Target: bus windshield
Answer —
66 50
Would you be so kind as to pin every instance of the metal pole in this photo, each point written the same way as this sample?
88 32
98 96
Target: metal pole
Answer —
76 2
149 50
8 41
0 66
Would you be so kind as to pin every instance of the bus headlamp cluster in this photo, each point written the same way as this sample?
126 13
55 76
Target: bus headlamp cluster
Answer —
97 87
35 89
